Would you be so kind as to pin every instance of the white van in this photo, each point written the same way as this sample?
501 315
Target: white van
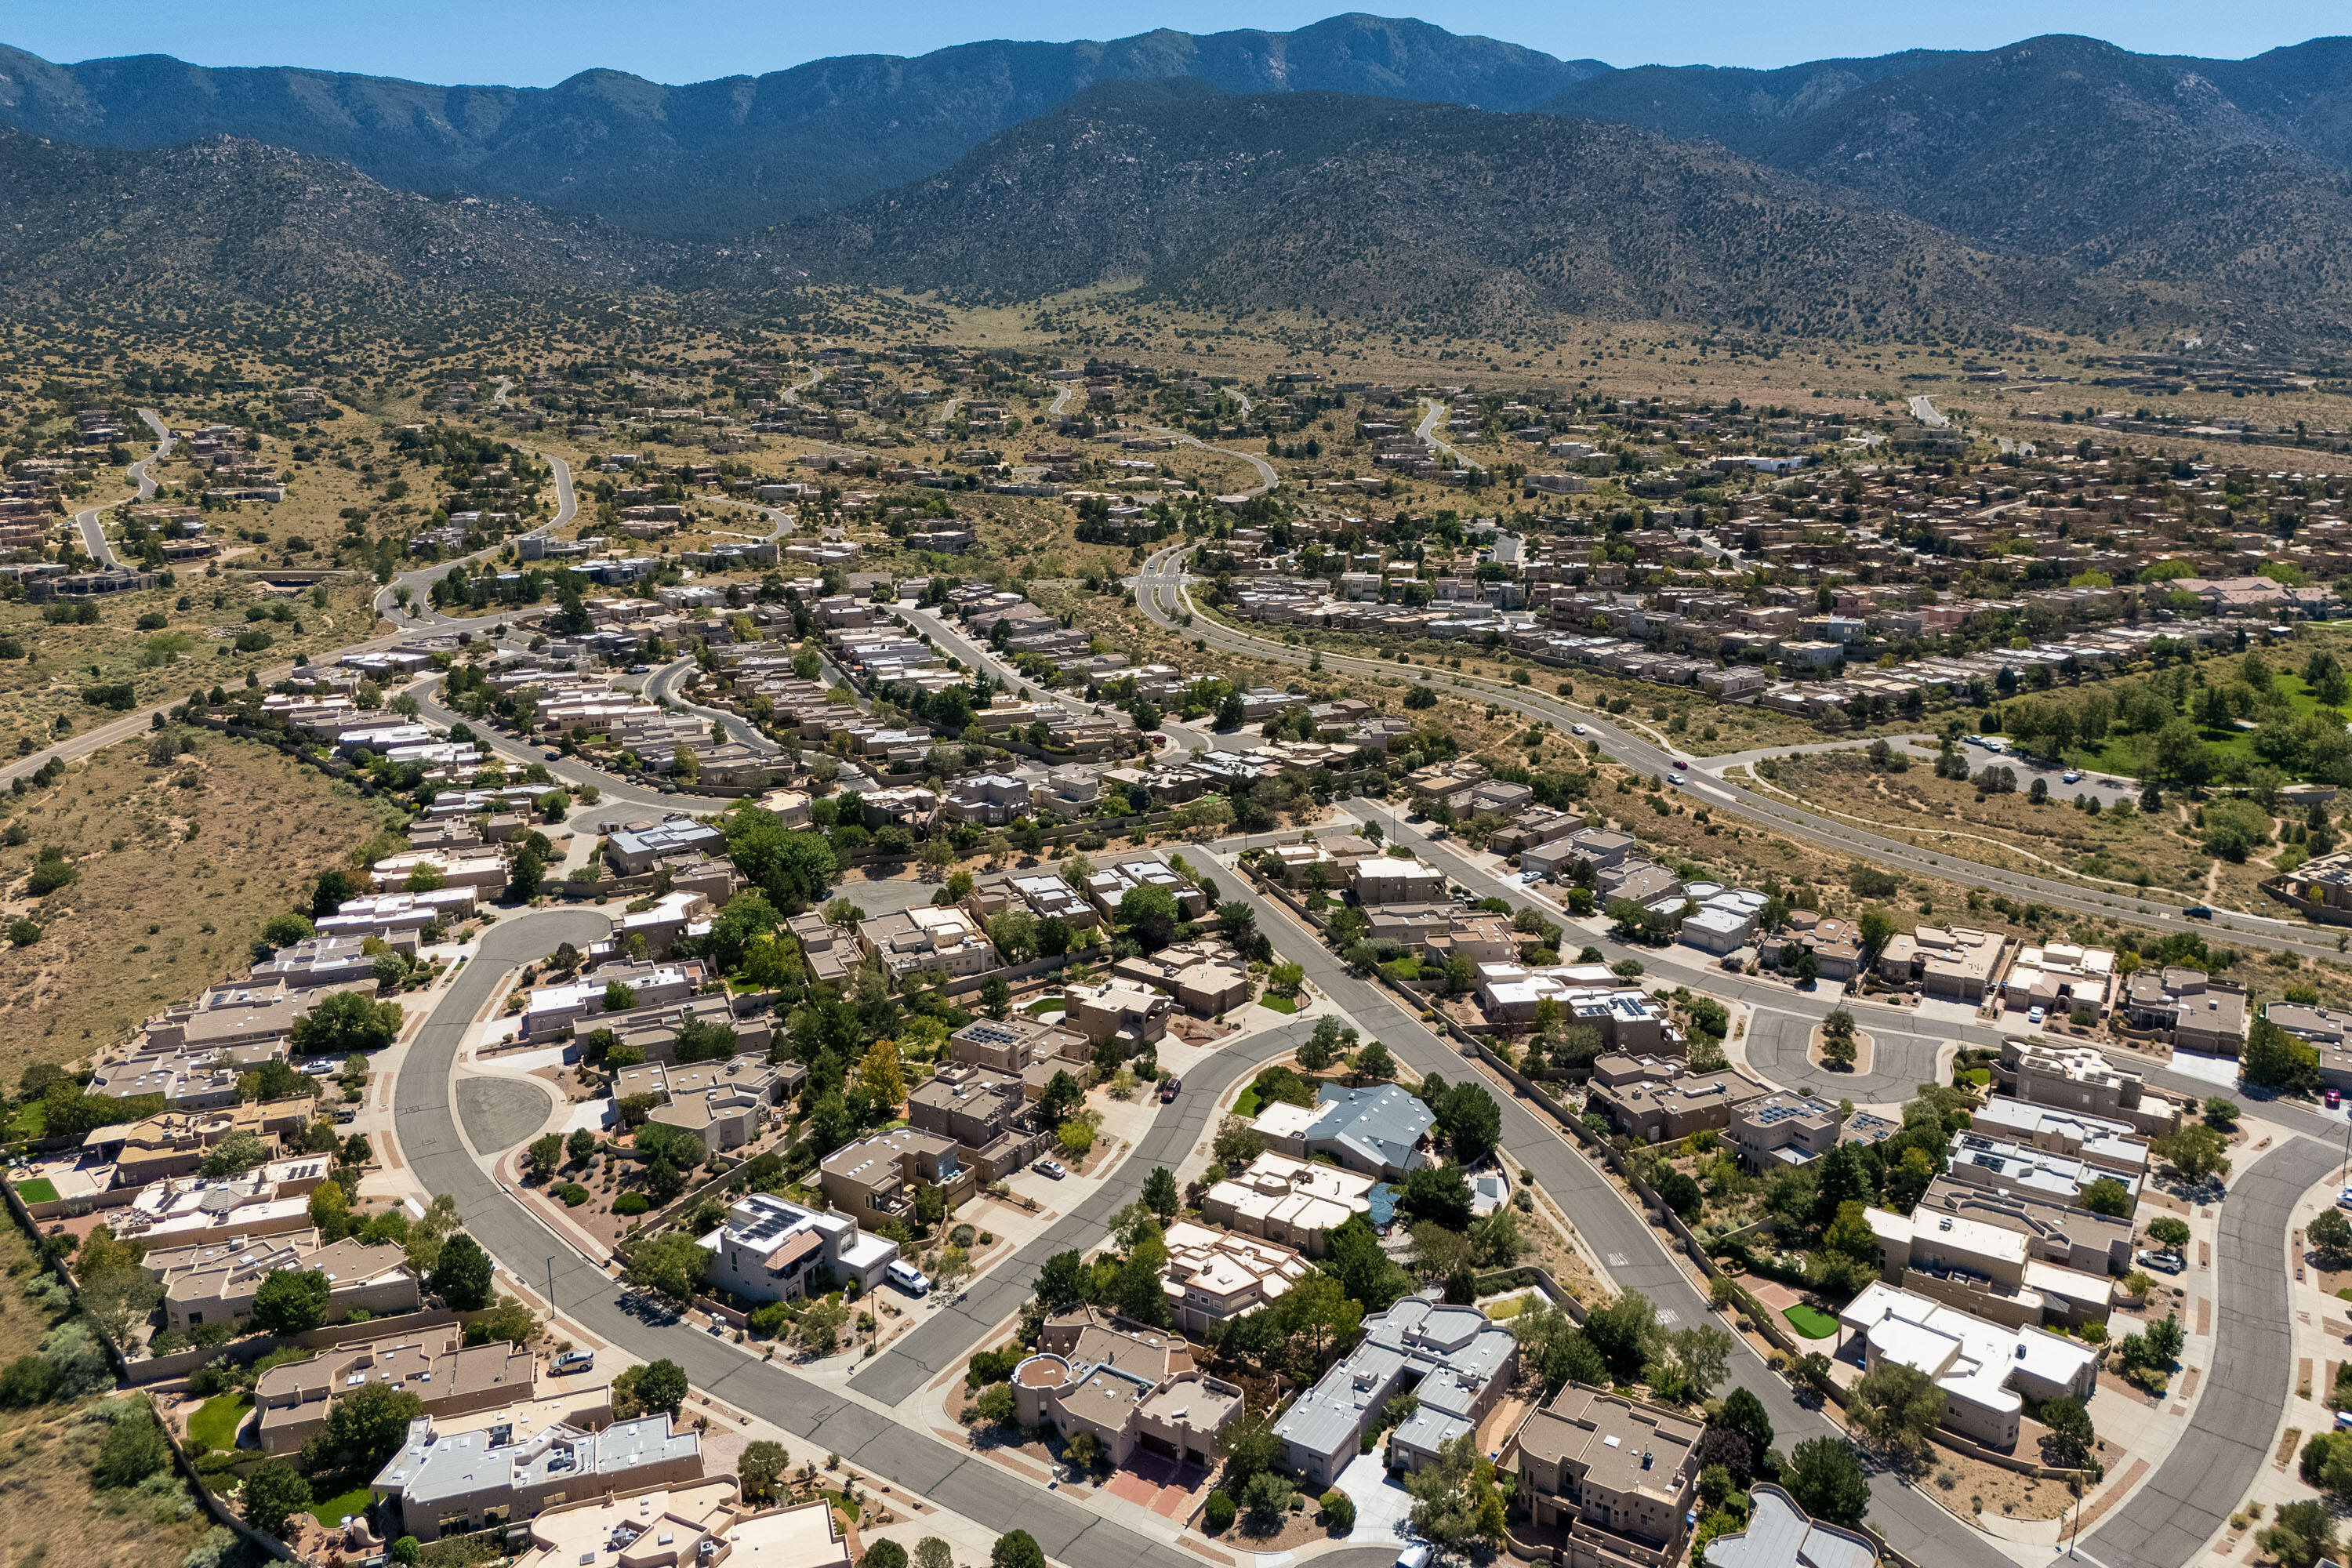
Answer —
909 1278
1416 1554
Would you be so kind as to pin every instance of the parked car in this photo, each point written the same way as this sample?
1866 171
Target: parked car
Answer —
1416 1554
2033 1016
1996 747
555 754
2072 776
1441 833
2162 1262
573 1360
2199 912
2335 1099
1169 1088
2344 1199
1053 1168
909 1278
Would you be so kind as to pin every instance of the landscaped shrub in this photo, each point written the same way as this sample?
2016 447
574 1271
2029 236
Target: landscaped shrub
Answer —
573 1194
1219 1514
632 1204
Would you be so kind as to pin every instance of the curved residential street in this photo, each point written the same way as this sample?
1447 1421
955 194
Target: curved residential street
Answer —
824 1421
1161 592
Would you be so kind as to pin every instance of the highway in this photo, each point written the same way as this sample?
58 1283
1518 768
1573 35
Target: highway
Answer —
1160 591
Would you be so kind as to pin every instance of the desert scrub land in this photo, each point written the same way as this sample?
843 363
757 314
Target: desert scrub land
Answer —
59 1510
175 867
2167 849
65 665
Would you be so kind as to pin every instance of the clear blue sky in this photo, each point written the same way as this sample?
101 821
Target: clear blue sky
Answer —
535 43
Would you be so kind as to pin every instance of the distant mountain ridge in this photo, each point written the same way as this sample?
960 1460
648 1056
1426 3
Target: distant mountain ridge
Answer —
225 222
720 157
1369 165
1372 207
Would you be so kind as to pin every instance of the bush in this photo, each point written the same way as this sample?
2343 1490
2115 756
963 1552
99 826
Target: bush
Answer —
1218 1516
632 1204
1338 1512
573 1194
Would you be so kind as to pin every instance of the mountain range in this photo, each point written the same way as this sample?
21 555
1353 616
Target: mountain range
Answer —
719 157
1372 207
1362 164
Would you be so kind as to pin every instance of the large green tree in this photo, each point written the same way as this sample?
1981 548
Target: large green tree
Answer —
1827 1482
290 1301
462 1275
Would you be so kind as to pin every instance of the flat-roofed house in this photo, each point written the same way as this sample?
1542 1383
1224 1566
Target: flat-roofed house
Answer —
2094 1140
1951 965
2055 1231
447 1376
1780 1534
222 1288
873 1179
505 1472
1985 1269
771 1250
2081 1078
1298 1203
2189 1009
1985 1370
1456 1362
1617 1475
672 1526
1981 1161
1130 1386
1216 1275
1659 1110
1390 880
1118 1009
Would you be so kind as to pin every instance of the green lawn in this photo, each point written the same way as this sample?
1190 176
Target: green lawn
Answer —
214 1426
1810 1322
2123 753
329 1512
39 1190
32 1120
1249 1103
1279 1004
1044 1004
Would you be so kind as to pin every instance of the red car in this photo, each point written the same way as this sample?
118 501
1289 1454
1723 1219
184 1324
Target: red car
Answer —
2334 1099
1169 1087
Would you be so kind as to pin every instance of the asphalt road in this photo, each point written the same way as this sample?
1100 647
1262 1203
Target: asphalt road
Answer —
823 1421
1427 432
2193 1492
93 536
2205 1475
951 1334
1635 1255
1159 594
